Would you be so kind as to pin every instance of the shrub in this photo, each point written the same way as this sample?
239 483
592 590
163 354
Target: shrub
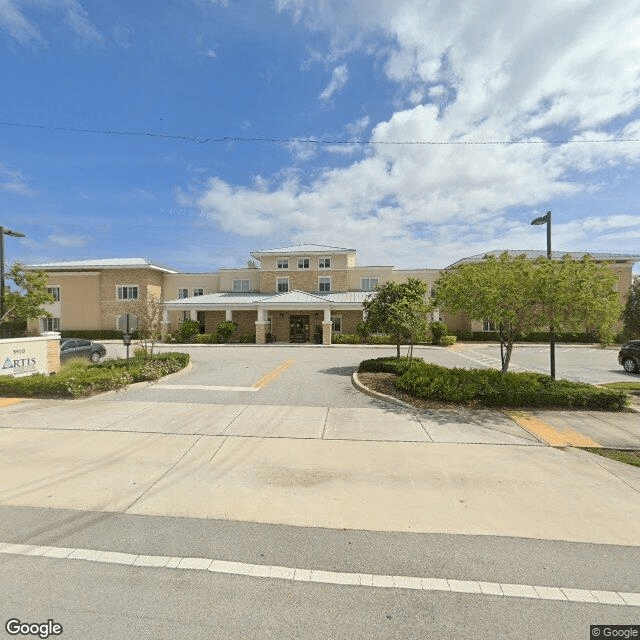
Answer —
345 338
386 365
226 329
462 334
188 329
205 338
491 388
247 339
382 339
438 330
447 341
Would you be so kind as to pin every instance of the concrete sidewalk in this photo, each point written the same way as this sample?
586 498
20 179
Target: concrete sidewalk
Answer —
376 469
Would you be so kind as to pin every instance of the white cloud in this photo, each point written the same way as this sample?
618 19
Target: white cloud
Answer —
339 78
13 181
498 70
20 26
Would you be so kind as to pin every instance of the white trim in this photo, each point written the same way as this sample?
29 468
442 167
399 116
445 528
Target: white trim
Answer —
278 283
302 259
241 289
324 258
53 321
282 260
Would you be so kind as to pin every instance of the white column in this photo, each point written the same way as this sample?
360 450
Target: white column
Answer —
327 314
261 315
193 314
228 315
165 317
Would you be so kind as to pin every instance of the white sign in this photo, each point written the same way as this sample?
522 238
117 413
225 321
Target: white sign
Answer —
23 357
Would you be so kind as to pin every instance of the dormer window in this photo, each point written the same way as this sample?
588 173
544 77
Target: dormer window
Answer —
324 263
283 263
304 263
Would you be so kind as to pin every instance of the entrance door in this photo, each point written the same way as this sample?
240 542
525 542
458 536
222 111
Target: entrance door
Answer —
298 328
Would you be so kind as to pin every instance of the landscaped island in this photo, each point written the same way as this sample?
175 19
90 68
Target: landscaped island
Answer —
425 382
79 378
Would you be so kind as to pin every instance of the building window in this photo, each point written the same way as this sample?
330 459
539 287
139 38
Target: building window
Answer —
336 324
241 285
487 325
303 263
324 263
324 284
198 292
55 292
127 291
282 285
283 263
50 324
183 293
369 284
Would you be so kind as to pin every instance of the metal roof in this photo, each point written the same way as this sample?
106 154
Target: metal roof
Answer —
289 298
300 249
103 263
555 255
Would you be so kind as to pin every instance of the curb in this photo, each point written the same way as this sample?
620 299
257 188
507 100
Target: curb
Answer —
376 394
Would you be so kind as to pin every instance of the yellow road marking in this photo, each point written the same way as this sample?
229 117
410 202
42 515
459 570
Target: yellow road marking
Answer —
5 402
553 437
270 377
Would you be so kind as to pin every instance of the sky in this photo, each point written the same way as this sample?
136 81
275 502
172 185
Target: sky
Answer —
415 131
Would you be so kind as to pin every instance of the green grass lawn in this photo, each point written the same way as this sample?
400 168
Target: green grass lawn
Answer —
628 457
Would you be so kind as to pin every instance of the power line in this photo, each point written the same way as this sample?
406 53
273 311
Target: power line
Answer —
204 139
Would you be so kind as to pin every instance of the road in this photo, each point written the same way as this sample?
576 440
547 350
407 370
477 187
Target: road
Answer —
354 518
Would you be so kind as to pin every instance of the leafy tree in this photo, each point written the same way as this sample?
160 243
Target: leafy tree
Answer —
631 313
25 301
438 331
518 296
188 329
399 310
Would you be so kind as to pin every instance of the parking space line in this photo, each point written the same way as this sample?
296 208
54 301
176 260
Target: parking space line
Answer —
272 375
540 429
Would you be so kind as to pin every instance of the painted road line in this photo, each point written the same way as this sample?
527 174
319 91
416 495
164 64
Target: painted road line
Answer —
357 580
204 387
5 402
567 437
271 376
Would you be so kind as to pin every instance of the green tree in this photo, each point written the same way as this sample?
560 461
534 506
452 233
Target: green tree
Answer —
226 329
149 314
631 313
399 310
518 296
24 301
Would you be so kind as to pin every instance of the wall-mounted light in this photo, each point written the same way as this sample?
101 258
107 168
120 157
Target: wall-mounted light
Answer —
281 316
316 315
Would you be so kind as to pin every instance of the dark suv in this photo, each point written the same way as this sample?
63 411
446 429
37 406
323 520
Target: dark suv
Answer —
72 348
629 356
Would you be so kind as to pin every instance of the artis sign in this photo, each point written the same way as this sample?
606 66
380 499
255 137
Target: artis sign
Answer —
19 362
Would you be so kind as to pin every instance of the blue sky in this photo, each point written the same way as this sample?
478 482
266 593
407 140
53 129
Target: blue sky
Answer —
371 71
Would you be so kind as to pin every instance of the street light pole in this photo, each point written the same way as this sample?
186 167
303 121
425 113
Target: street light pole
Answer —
14 234
546 219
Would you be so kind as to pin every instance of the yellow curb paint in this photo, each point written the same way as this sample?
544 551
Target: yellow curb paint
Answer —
553 437
270 377
5 402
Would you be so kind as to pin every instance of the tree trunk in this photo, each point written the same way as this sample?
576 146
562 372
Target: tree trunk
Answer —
508 348
398 350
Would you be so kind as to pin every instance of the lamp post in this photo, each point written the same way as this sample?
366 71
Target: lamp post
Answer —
14 234
546 219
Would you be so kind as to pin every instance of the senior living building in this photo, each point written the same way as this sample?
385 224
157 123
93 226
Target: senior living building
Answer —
284 294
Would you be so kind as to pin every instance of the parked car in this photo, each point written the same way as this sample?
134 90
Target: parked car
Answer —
629 356
72 348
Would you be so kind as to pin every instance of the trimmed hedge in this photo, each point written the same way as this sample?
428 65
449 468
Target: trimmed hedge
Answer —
537 336
79 378
492 389
387 365
97 334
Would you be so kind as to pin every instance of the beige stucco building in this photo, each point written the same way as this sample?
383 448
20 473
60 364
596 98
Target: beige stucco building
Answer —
282 294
